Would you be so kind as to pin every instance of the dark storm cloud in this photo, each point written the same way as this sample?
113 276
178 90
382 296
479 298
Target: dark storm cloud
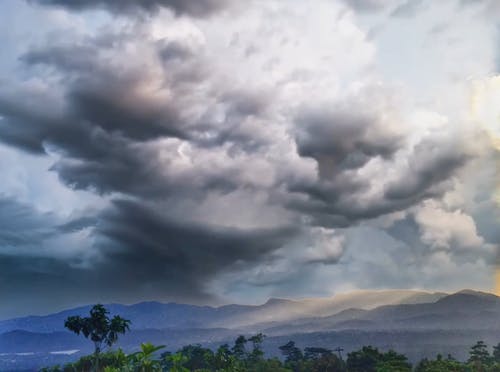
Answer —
176 256
334 206
32 272
26 128
196 8
112 135
116 98
24 229
28 282
342 138
174 147
107 96
431 163
342 142
21 226
106 126
78 223
142 252
92 158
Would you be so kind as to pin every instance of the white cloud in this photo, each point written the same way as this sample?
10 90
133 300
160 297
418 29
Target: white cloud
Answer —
444 229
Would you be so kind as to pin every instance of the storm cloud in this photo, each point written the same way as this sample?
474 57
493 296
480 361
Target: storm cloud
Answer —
211 147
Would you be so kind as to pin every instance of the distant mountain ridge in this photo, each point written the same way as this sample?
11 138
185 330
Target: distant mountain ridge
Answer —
419 324
459 311
157 315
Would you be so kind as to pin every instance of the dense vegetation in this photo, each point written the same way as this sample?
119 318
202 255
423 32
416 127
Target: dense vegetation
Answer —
246 355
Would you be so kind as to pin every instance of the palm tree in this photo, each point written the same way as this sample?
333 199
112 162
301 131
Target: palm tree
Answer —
98 328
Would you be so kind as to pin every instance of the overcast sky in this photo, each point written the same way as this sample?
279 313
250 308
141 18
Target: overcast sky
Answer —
216 151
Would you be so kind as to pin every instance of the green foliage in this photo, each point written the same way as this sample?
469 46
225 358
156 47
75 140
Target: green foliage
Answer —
291 352
267 365
177 361
364 360
370 359
314 359
440 365
393 362
256 354
223 358
327 362
55 368
239 348
496 353
196 358
315 352
479 357
98 327
143 360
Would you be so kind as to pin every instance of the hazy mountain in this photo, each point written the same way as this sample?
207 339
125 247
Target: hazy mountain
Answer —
285 310
172 315
402 320
462 310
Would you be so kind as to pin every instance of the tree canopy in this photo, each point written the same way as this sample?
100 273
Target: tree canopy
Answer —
99 328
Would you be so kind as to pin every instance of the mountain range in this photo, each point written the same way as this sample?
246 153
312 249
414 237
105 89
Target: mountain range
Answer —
417 323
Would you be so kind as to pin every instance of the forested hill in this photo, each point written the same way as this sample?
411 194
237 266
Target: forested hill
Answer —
172 315
418 324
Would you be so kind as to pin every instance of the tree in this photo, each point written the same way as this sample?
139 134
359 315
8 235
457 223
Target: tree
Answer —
257 353
238 349
370 359
320 359
225 361
198 357
98 328
328 362
223 357
393 362
496 353
479 354
291 352
177 361
266 365
312 353
364 360
440 365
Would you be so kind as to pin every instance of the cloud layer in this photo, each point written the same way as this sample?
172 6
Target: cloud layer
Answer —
217 158
197 8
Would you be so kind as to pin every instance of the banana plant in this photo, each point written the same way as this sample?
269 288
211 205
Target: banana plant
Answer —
143 361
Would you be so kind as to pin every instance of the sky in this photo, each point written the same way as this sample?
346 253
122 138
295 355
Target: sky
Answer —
224 151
